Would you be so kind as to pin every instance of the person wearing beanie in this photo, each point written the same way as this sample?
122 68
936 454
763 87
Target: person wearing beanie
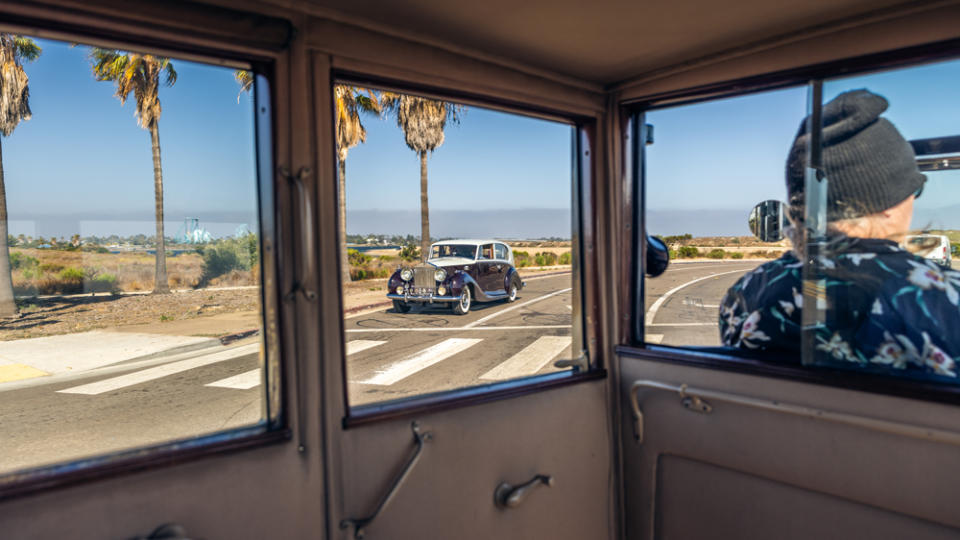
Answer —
887 309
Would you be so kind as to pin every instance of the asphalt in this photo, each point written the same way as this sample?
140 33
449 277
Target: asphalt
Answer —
390 356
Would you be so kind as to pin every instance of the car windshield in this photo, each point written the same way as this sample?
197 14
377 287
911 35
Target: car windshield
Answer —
922 240
453 250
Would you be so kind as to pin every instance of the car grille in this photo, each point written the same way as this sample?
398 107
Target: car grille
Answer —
423 277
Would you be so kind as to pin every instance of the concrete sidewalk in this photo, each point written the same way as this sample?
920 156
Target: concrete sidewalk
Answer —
72 353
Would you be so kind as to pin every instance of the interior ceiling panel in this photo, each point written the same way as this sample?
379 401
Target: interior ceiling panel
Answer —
602 42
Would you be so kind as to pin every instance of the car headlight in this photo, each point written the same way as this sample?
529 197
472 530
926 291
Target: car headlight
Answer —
441 290
406 274
440 274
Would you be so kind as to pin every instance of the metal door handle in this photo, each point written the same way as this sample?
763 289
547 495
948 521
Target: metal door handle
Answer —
507 496
360 524
306 218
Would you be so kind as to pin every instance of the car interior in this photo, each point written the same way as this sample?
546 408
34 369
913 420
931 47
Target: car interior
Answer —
619 415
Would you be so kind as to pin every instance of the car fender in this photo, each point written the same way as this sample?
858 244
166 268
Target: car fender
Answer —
512 277
461 279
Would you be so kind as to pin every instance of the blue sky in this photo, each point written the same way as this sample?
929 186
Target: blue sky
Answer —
730 154
83 163
82 153
490 161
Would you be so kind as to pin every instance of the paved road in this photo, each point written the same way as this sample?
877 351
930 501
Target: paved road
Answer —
389 356
683 303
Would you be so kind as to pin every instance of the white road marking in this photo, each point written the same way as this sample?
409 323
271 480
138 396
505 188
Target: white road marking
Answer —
420 361
358 345
653 338
482 320
243 381
457 328
108 385
652 312
530 359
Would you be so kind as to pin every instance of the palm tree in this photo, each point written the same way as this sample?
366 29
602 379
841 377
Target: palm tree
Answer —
14 107
349 101
140 74
422 121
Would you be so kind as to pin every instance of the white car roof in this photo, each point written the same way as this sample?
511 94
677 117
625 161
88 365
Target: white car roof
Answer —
472 242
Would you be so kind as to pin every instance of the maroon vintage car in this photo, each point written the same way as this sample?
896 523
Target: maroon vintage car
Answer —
457 273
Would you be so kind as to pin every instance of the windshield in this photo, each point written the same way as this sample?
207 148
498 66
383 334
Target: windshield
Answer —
453 250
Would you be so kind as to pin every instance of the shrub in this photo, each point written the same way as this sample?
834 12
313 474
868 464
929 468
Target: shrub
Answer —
687 252
356 258
20 261
410 252
521 259
71 274
103 283
225 256
51 267
565 258
673 254
716 253
736 255
546 259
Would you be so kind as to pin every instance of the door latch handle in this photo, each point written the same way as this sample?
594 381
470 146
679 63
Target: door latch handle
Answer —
507 496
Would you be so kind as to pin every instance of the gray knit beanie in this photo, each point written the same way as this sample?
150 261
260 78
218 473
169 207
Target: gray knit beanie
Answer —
869 166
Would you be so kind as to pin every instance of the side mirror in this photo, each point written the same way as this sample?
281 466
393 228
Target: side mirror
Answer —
767 221
658 256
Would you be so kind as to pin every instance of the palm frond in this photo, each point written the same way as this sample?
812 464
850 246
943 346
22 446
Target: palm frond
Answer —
134 73
26 48
245 79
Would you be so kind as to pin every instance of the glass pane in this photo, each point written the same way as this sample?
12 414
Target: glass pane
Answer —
129 280
714 176
425 177
887 280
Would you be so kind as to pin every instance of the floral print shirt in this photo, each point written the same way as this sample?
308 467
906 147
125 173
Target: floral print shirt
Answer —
885 309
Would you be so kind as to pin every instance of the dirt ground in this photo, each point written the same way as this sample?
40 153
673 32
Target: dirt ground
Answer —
199 312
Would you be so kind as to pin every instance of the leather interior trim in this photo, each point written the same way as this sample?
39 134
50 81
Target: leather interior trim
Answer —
864 382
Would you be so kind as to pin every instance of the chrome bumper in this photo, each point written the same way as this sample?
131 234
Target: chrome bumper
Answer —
422 299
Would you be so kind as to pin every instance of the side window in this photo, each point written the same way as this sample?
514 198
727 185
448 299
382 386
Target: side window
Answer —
486 251
412 174
851 204
130 261
706 169
881 279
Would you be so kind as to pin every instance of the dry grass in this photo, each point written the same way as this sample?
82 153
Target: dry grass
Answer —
133 271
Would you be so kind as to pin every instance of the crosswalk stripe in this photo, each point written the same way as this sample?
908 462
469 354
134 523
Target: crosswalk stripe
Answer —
653 338
243 381
358 345
108 385
421 360
530 359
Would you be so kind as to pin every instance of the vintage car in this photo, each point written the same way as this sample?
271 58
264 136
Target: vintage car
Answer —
457 273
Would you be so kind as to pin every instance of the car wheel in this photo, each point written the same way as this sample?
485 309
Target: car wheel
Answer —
462 306
401 307
513 292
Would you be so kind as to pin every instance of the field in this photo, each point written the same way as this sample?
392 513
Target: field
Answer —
49 271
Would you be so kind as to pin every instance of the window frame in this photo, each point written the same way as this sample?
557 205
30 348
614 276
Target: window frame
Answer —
583 197
750 362
274 427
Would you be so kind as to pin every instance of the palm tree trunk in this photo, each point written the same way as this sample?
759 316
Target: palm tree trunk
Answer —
424 210
344 258
160 283
8 305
